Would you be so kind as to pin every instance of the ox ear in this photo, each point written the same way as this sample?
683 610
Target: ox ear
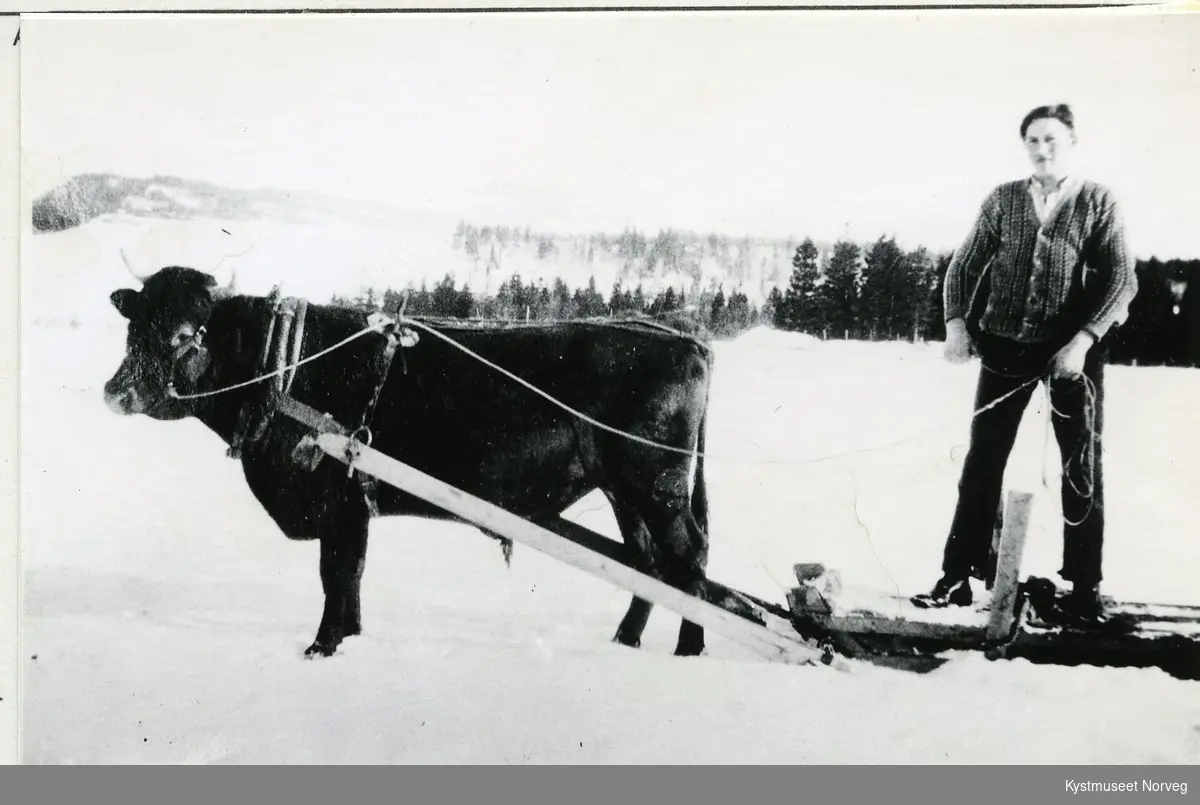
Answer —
124 300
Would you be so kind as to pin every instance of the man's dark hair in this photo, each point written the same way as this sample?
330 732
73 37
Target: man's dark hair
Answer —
1058 111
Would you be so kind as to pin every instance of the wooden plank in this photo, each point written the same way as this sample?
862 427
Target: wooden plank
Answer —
865 623
771 616
487 515
1008 566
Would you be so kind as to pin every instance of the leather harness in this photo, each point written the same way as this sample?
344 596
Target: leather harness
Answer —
281 353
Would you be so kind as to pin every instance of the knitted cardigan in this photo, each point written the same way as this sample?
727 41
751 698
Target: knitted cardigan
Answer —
1018 278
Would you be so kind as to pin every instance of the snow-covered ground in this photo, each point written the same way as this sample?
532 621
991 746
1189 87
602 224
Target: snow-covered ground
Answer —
165 616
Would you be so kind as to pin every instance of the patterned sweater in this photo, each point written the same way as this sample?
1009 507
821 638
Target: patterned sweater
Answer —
1021 279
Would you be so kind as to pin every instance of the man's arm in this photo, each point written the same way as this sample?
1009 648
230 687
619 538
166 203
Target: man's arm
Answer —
970 258
1113 268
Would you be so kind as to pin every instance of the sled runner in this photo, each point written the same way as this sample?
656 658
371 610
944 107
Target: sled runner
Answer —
1023 619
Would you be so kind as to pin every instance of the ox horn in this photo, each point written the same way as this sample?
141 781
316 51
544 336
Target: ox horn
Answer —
141 278
228 289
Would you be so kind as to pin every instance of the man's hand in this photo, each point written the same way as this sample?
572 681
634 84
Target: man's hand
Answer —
1068 361
958 342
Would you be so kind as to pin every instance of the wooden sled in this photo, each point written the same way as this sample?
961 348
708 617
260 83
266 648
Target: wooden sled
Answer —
1021 620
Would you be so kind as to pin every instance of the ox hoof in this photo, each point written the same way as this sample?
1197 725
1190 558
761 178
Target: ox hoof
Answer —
319 650
620 639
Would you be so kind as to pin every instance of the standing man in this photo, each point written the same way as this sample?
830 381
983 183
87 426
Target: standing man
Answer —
1041 278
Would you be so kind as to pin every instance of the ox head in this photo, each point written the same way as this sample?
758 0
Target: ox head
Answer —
165 341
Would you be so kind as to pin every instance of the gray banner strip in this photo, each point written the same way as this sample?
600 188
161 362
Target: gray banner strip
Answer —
1044 785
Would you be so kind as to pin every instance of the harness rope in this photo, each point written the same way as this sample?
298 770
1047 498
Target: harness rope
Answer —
1085 449
278 372
380 322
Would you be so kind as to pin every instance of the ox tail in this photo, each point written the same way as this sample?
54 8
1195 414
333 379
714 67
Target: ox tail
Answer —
699 488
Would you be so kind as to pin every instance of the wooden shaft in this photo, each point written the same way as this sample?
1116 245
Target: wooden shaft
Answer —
495 519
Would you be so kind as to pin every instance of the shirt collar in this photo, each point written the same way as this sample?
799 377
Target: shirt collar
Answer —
1062 184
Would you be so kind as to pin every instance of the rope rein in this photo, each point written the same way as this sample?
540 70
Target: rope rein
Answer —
380 322
1084 452
280 371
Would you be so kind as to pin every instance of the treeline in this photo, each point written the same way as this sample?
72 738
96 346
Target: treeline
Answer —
882 293
517 300
885 293
838 290
635 255
878 292
1163 328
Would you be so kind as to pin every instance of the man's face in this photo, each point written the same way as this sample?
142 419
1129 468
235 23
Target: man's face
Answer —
1049 143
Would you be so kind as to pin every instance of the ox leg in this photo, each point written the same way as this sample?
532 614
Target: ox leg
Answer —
629 632
682 562
353 619
637 540
343 556
681 565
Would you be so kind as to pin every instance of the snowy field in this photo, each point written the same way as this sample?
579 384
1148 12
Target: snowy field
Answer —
166 617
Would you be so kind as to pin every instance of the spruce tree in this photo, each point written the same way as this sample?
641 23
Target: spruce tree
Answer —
838 295
799 310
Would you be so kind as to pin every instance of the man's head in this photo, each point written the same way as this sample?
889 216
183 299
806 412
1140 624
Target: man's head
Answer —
1049 136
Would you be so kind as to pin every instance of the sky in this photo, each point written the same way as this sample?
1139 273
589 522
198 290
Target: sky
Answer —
773 123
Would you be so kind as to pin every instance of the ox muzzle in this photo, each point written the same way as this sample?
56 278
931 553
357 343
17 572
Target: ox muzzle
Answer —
126 393
129 391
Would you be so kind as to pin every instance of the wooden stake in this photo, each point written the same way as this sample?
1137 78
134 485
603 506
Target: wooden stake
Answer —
1008 566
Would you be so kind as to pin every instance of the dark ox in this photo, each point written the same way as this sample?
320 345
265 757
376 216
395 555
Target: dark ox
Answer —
448 415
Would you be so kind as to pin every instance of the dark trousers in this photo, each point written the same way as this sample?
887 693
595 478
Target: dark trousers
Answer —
1078 422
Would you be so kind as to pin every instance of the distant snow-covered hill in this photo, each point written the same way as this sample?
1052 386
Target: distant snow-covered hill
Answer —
317 245
89 196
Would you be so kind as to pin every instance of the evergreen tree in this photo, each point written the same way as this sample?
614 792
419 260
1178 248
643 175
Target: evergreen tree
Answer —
838 295
935 324
464 304
885 308
615 301
445 297
670 302
773 311
800 309
560 301
589 302
505 301
921 287
718 316
419 301
739 312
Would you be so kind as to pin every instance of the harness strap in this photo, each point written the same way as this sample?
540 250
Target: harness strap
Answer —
382 364
282 350
287 320
301 307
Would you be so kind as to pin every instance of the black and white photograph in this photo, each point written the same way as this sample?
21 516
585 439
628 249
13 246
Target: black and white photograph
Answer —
604 387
